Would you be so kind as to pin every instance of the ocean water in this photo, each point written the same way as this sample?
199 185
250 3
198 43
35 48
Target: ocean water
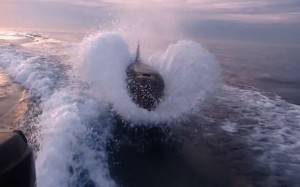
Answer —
230 115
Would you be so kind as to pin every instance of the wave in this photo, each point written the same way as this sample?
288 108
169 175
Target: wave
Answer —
75 118
191 75
67 124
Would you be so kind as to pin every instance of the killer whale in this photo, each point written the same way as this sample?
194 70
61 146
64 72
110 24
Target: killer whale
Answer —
144 84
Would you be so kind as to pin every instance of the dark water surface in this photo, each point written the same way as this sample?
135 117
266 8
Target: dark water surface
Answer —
160 157
271 68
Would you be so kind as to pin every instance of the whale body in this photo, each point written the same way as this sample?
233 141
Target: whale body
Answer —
144 84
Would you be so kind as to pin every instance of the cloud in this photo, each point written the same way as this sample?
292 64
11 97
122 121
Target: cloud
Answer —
166 17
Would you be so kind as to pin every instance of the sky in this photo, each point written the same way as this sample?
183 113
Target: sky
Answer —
276 21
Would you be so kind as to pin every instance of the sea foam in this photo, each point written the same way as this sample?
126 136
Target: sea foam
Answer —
190 73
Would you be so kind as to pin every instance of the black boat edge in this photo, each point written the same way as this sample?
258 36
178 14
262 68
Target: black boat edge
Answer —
17 168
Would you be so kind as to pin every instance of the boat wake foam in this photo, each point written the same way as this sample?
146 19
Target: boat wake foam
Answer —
190 73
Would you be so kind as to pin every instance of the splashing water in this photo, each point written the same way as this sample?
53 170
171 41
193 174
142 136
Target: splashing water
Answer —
189 71
72 127
74 119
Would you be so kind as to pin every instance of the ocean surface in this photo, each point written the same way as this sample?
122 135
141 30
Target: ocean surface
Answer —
230 115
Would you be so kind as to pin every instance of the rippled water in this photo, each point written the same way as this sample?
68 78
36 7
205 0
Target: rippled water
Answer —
87 132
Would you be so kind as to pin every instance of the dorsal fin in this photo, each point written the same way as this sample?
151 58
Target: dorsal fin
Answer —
137 58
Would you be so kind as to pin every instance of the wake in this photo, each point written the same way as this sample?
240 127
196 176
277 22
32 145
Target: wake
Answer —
191 75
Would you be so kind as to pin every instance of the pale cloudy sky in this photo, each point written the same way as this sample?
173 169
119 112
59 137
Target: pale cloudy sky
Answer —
246 19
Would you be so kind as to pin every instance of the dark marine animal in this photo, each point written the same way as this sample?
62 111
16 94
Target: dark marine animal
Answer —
144 84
